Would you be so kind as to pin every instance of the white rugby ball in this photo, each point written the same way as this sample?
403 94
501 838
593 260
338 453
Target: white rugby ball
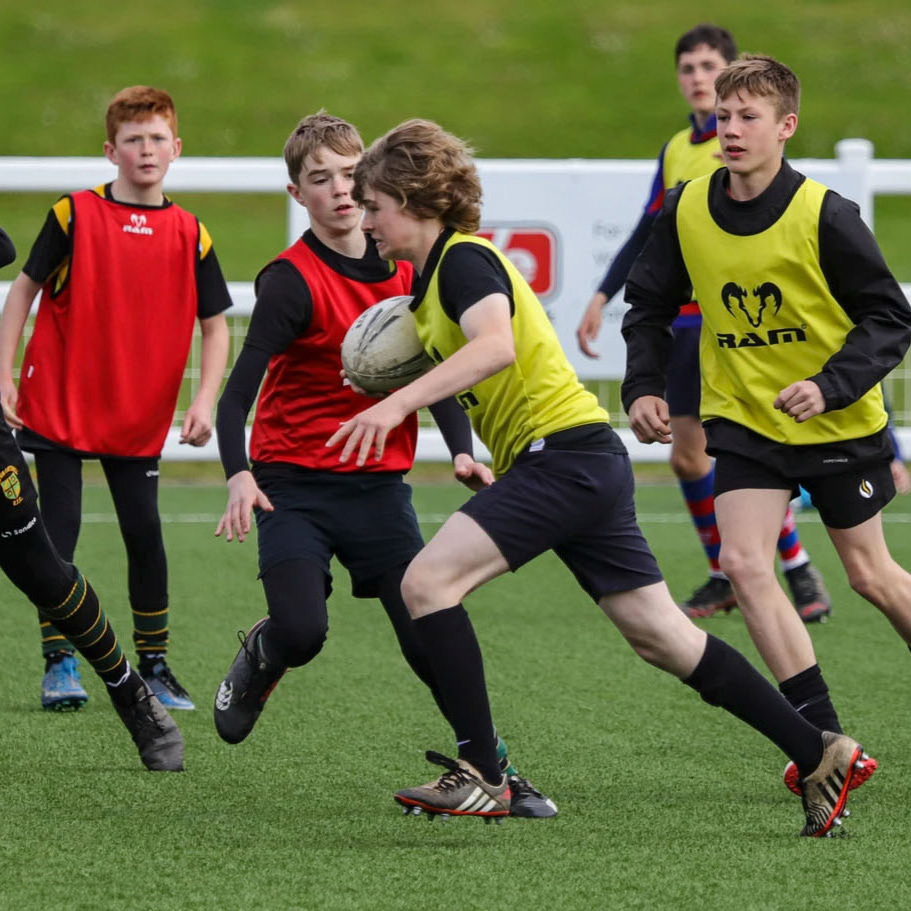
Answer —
381 349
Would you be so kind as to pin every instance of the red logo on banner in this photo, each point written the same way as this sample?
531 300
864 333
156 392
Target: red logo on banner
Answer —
533 251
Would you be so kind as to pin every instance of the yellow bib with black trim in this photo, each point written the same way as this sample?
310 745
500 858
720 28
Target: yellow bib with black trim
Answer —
685 160
535 396
768 319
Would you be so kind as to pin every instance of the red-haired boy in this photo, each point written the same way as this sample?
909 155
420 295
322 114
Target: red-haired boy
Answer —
124 274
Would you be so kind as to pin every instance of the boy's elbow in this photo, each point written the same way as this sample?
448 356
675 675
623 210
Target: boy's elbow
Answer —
506 354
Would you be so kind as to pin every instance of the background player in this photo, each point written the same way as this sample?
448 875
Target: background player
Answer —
564 482
308 506
123 275
806 406
700 54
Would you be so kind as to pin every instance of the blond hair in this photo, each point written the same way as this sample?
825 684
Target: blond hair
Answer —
431 172
314 132
138 103
764 77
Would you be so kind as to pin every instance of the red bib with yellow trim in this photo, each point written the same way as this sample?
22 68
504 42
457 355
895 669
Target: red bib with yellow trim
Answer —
103 368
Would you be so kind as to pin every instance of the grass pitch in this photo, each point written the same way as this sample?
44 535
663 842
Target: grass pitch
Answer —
665 803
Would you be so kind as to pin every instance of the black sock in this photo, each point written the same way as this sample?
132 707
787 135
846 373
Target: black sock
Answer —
390 595
725 678
455 657
809 695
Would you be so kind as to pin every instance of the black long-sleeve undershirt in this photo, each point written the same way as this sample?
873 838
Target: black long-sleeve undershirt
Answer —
850 260
282 313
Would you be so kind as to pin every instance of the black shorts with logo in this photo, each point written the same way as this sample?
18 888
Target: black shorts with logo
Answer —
364 519
576 502
843 500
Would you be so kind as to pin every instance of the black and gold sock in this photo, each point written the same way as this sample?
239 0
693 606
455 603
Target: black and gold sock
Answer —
150 632
52 640
80 617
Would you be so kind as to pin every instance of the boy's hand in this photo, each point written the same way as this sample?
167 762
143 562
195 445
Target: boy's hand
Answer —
9 398
900 476
474 475
243 495
802 400
197 425
590 326
649 419
368 430
346 381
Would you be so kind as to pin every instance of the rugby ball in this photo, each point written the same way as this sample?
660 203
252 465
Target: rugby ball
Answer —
381 349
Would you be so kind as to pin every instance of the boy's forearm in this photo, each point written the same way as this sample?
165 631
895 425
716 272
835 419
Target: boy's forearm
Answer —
12 321
213 359
479 359
454 426
871 351
648 337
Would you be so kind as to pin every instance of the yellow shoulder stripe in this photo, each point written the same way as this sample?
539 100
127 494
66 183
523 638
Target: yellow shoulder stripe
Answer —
205 241
63 211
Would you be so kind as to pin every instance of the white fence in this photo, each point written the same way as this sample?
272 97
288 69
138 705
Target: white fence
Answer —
561 222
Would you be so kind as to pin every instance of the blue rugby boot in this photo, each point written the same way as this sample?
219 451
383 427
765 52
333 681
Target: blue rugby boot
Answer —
61 690
164 685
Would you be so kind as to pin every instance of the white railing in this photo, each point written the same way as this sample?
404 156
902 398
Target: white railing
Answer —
560 221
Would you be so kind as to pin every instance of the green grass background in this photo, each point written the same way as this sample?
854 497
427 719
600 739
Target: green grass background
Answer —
665 802
519 78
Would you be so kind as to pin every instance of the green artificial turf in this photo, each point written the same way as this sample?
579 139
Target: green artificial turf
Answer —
665 802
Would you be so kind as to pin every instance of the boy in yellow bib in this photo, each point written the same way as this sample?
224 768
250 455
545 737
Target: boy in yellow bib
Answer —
801 321
700 55
563 483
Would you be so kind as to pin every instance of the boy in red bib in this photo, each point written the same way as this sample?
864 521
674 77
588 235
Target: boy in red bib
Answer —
124 274
309 507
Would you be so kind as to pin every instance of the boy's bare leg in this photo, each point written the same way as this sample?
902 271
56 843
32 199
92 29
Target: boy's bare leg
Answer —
750 522
689 460
459 558
873 573
662 635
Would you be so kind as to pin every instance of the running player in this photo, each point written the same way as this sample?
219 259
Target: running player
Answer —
564 483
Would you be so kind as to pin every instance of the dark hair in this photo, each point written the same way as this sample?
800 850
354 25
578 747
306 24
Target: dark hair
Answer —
716 37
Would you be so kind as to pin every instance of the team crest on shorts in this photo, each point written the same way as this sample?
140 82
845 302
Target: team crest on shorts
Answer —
9 484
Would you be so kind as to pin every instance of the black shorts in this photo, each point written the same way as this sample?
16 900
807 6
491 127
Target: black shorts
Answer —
578 504
684 381
366 520
843 500
18 505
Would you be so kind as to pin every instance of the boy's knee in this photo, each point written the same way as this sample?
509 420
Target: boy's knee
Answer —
299 642
742 568
864 580
415 587
689 463
142 533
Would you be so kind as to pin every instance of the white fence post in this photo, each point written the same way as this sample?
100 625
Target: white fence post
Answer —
855 156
